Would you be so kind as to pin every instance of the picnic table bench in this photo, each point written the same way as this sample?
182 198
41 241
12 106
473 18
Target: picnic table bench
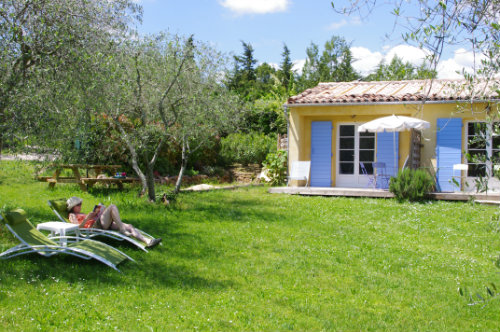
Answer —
94 174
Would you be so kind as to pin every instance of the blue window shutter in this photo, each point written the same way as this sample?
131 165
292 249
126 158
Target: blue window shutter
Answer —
321 154
385 153
448 151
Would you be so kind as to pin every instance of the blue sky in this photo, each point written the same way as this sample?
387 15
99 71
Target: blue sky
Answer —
268 24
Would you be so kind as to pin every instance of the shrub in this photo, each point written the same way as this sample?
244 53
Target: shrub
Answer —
247 149
276 166
412 185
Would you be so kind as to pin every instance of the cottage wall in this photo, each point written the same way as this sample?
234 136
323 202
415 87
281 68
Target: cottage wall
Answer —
302 116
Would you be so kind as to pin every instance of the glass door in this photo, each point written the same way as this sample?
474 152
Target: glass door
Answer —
353 148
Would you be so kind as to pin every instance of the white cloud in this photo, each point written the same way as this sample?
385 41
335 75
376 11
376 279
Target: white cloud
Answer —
340 24
274 65
386 48
449 69
242 7
412 54
336 25
462 59
365 60
298 65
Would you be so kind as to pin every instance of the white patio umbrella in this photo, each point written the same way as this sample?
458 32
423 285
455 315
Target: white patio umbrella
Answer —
392 124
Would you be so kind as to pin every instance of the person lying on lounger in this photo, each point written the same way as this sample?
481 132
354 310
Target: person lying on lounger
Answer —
104 218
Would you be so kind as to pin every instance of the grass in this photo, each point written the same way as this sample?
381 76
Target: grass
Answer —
248 260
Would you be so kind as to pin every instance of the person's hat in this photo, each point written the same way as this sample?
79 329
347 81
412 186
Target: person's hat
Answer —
73 201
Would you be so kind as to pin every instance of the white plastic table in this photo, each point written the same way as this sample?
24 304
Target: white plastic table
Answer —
59 228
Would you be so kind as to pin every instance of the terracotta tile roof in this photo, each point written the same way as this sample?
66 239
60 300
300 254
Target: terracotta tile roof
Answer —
394 91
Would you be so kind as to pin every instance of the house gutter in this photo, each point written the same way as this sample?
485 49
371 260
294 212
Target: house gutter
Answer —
391 103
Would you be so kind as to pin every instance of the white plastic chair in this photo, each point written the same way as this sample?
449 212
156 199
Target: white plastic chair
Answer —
460 168
300 170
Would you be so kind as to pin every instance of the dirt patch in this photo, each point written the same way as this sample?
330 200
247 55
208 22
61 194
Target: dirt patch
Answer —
28 156
235 173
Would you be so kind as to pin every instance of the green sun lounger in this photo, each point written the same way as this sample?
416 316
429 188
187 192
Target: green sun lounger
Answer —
59 208
33 241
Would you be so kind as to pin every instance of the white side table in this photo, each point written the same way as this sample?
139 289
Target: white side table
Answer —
59 228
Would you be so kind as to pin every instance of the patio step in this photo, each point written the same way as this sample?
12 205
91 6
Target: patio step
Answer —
487 202
381 193
328 191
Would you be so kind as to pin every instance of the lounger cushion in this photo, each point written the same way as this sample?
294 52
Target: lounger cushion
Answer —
61 206
15 217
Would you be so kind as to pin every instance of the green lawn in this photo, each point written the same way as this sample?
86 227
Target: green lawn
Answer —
248 260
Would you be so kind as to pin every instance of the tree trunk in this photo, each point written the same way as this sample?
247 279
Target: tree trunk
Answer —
185 157
141 175
1 144
2 123
133 155
150 180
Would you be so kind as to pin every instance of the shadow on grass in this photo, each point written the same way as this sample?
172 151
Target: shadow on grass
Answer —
149 273
173 264
236 210
102 191
157 273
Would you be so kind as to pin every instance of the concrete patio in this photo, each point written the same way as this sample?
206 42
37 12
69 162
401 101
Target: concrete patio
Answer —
381 193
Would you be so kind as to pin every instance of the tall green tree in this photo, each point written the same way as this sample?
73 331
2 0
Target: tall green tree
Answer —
242 79
264 90
206 109
333 65
285 71
310 72
265 76
247 61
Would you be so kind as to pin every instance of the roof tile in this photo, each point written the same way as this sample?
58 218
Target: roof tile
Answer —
395 91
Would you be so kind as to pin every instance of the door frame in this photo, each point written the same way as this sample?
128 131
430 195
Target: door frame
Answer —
355 180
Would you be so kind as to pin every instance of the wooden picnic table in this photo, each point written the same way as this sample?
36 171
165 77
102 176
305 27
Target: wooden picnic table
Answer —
94 176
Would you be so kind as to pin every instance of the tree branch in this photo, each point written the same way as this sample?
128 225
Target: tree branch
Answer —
157 152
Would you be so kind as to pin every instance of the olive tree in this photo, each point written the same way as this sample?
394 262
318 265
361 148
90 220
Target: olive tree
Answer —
156 70
162 88
130 87
206 108
36 34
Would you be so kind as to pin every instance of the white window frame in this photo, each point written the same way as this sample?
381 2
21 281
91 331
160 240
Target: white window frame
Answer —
489 147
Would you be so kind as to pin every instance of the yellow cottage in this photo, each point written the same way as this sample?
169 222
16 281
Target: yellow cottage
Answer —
323 123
